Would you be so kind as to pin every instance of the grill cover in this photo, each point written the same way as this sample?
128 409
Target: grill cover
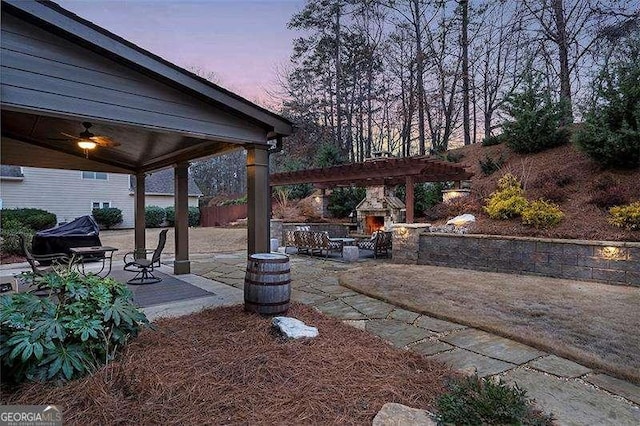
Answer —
81 232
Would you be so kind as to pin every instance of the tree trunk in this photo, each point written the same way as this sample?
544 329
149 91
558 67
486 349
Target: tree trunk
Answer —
464 5
563 55
338 81
419 76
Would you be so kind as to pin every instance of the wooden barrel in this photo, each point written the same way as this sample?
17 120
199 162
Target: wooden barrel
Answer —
267 284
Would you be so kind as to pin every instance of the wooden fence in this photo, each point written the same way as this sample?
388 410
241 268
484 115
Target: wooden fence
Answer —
221 215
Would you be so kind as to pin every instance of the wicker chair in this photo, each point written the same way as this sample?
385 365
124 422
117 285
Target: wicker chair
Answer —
136 261
379 243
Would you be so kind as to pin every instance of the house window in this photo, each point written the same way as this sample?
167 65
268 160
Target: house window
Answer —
94 175
100 204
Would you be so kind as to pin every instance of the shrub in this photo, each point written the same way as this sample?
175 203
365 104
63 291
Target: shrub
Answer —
460 205
610 197
627 217
81 326
508 200
36 219
235 201
536 118
604 182
493 140
476 401
9 236
154 216
194 216
552 192
610 134
108 217
426 195
542 214
489 166
454 157
343 201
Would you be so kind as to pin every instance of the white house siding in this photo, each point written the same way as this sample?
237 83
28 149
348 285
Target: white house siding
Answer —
68 195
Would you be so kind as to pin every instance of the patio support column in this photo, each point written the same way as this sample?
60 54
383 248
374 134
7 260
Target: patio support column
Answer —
181 265
409 198
258 199
138 208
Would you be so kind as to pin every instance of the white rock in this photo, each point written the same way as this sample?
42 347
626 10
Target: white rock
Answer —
293 328
393 414
462 220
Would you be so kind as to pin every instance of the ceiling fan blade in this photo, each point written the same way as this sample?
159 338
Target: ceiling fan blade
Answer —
69 136
105 141
60 139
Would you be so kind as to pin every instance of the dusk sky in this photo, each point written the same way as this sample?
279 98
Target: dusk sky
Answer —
243 42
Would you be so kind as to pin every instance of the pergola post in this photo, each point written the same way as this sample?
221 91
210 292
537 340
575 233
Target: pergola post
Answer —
181 265
258 199
138 208
409 199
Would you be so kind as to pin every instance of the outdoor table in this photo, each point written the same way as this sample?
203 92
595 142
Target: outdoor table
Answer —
344 241
104 253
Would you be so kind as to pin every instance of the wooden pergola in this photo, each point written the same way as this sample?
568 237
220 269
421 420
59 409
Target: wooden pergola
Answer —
379 172
59 70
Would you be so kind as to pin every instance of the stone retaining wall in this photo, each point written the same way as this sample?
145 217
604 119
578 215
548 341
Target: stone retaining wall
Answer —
602 261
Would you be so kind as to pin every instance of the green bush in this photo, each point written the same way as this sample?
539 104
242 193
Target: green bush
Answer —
36 219
154 216
627 217
9 236
194 215
489 166
542 214
493 140
610 134
426 195
108 217
476 401
235 201
508 200
80 326
343 201
536 124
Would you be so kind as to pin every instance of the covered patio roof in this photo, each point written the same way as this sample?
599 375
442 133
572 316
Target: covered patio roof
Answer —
381 171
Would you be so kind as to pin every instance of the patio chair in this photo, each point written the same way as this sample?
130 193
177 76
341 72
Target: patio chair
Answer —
34 260
136 261
379 243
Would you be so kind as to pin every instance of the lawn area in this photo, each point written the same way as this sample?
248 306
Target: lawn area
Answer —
201 240
594 324
227 367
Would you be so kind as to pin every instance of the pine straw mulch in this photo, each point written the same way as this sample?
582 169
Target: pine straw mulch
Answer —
225 366
583 220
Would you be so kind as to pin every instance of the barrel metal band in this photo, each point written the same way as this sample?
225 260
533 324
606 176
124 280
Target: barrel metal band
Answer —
266 304
248 281
285 260
254 271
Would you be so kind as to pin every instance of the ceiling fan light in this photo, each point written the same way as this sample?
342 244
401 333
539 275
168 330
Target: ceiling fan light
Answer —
87 144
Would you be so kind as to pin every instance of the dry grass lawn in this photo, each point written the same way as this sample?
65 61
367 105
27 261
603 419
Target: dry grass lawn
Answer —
201 240
224 366
595 324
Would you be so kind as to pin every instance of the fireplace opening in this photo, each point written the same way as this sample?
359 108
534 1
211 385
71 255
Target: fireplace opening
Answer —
373 224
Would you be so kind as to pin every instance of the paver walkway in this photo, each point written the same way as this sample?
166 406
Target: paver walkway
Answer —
573 393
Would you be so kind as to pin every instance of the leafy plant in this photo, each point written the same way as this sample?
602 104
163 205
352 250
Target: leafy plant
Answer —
508 200
107 217
537 118
154 216
453 157
542 214
35 219
627 217
493 140
426 195
476 401
489 166
610 134
81 325
235 201
343 201
9 236
194 215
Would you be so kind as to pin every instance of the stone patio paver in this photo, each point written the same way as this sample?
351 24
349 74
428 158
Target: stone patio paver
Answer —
559 366
492 346
470 362
617 386
437 325
572 402
336 290
372 308
340 310
404 315
399 333
431 347
308 298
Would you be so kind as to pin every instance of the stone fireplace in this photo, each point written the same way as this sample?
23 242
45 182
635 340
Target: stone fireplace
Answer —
379 209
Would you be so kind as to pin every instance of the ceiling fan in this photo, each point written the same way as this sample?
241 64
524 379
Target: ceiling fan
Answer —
87 140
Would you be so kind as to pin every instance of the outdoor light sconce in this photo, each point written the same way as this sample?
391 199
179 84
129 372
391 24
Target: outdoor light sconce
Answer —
86 145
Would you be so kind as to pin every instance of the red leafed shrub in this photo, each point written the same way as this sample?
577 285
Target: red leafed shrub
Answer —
610 197
455 207
553 192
